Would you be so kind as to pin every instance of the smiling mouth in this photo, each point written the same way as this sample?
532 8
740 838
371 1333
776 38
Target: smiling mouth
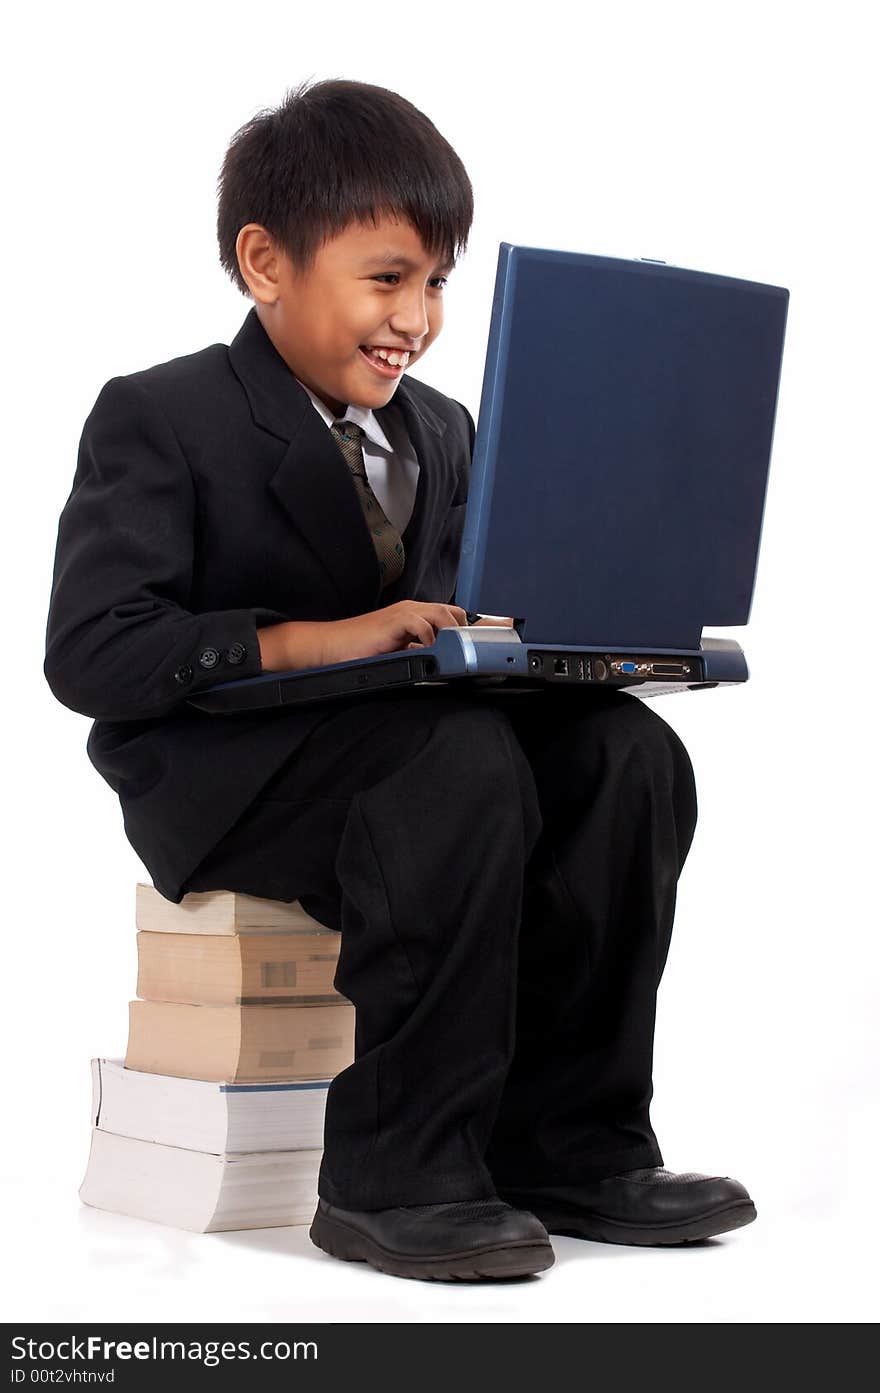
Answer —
381 365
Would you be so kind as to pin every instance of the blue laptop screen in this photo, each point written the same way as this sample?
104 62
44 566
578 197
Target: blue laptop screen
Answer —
621 457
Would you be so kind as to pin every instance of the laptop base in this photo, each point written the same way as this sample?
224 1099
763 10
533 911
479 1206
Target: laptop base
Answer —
484 656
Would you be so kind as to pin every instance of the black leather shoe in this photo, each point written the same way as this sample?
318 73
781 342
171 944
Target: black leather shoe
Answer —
466 1240
647 1207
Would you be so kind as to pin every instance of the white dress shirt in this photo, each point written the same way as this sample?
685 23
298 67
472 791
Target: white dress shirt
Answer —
391 464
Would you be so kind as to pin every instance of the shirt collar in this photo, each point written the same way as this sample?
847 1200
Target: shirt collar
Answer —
361 416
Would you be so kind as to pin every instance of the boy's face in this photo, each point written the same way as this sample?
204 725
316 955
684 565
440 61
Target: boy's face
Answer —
369 286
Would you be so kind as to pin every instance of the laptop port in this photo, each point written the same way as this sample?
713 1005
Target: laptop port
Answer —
645 666
560 667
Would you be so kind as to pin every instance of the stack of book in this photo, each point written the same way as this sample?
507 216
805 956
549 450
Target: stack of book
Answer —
215 1118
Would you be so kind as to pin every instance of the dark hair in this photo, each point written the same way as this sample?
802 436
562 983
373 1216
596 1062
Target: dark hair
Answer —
334 153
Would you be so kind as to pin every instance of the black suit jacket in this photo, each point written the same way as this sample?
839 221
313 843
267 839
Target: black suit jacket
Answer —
209 500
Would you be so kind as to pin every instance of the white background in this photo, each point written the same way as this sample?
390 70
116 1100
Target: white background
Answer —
739 140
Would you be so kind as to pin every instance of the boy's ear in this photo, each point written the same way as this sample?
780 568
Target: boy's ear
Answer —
259 261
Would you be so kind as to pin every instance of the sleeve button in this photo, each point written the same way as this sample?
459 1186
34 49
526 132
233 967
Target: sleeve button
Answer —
236 653
183 674
209 657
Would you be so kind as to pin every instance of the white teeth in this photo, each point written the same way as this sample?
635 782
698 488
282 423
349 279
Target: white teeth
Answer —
395 359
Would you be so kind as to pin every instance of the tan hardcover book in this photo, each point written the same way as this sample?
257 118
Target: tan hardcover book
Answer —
219 912
239 969
240 1044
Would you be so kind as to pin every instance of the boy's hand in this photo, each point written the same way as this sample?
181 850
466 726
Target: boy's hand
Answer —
408 624
312 643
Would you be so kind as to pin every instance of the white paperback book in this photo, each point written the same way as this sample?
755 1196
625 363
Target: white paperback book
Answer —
199 1115
199 1191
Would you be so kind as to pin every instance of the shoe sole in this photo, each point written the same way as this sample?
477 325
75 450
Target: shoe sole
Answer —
602 1230
507 1260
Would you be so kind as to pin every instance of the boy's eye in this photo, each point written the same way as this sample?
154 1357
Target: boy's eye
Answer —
395 276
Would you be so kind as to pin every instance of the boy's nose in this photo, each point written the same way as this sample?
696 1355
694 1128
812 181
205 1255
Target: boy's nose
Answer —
407 340
411 320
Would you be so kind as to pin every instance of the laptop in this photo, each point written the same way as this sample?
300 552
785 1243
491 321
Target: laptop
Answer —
617 487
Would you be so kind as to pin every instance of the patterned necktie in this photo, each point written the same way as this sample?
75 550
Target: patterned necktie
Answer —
386 538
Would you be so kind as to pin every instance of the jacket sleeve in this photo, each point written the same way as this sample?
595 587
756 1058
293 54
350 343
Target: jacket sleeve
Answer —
120 641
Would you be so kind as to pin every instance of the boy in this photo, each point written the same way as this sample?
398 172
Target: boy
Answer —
502 873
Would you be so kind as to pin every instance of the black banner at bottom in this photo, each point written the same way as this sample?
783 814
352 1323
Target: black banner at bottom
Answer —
347 1356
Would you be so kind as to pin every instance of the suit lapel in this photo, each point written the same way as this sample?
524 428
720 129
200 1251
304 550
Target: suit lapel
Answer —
313 485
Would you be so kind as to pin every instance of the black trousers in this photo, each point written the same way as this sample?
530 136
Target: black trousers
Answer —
503 872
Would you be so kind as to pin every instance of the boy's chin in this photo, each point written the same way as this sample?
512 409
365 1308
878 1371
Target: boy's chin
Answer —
374 394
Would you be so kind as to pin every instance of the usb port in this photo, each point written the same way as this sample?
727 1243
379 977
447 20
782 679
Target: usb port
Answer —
560 667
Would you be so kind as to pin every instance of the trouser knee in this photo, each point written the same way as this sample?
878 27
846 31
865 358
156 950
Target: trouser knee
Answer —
652 753
622 740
